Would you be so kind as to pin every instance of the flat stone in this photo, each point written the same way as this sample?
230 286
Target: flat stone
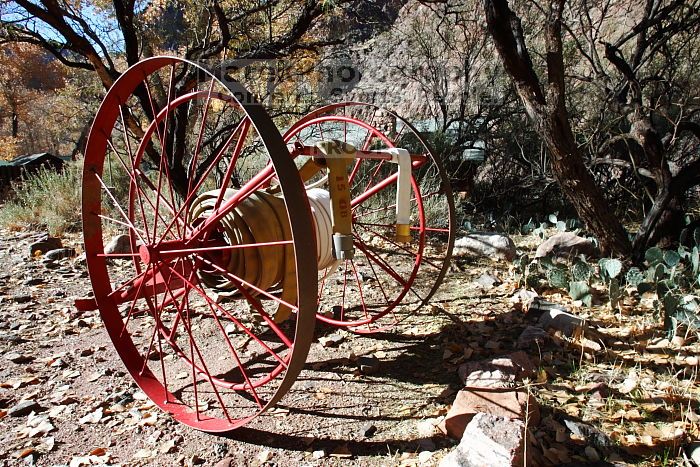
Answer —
486 244
592 435
18 358
33 281
693 452
487 281
331 340
490 441
60 253
500 372
559 320
21 298
44 245
508 403
119 244
368 430
532 337
24 408
368 365
226 462
566 244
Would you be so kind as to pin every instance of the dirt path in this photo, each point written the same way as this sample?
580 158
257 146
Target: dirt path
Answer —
79 406
65 363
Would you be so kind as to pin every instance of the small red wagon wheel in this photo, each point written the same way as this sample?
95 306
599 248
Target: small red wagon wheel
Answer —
210 308
386 280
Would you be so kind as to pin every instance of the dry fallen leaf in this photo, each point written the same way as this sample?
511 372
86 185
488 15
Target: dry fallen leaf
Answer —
264 456
630 383
144 454
98 452
167 446
93 417
26 452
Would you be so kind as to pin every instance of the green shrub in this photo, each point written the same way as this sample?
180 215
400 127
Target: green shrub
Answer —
46 200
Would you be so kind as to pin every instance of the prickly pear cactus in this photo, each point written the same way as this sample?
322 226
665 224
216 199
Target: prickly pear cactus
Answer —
558 278
634 277
581 271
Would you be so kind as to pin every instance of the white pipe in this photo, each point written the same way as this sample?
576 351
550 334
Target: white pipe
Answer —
402 158
320 201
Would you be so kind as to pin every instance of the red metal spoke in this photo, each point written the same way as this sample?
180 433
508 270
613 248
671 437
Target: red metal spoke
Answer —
380 262
206 370
359 288
374 174
187 323
119 208
238 361
244 124
133 302
381 287
237 322
117 255
188 251
234 159
131 162
198 147
394 243
118 222
239 283
354 170
263 177
139 190
381 185
162 149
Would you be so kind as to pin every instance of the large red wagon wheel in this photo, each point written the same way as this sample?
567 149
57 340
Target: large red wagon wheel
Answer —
208 308
387 279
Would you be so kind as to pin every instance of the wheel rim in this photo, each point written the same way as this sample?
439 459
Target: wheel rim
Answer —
212 363
386 281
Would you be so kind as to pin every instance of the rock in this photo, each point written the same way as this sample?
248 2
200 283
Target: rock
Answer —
120 244
559 320
491 441
368 430
320 454
19 358
592 435
426 444
33 281
226 462
693 452
50 264
500 372
44 245
532 337
486 244
332 340
368 365
514 404
60 253
591 454
24 408
21 298
566 244
487 281
538 305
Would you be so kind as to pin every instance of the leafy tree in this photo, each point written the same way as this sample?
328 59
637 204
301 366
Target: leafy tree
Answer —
104 37
637 62
27 75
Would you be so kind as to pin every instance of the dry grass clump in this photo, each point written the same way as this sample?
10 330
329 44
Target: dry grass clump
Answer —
46 200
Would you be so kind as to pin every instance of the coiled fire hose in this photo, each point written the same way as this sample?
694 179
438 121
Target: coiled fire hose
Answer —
262 218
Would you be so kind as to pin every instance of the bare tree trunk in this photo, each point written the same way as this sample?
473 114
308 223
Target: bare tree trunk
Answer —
547 110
